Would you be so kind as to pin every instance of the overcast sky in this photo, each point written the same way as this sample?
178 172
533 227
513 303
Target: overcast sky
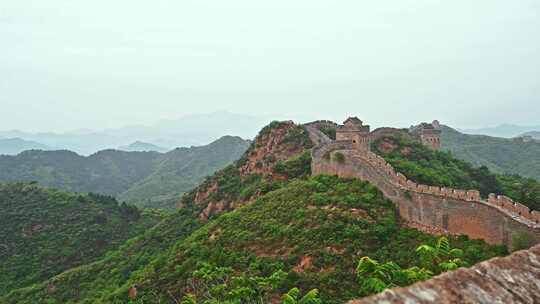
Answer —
107 63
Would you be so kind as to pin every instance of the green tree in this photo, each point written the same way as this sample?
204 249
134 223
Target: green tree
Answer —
375 277
294 297
441 257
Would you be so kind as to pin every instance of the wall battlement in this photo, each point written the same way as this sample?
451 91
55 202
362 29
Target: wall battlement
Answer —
500 201
455 211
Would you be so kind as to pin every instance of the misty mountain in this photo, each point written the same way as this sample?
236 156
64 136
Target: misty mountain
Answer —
182 169
533 134
192 130
13 146
504 130
132 176
502 155
140 146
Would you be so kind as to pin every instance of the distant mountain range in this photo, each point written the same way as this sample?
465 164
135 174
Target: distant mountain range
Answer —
140 146
11 146
142 178
192 130
502 155
504 130
533 134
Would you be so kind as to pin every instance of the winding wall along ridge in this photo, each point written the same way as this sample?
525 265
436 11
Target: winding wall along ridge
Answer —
439 210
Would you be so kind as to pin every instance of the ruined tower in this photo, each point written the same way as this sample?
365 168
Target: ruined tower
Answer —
354 130
428 133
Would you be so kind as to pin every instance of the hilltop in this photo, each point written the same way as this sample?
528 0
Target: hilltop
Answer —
139 146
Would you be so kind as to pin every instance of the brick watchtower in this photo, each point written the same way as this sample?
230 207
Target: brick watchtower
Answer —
354 130
428 133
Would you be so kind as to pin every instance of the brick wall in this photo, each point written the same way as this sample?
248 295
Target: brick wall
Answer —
496 220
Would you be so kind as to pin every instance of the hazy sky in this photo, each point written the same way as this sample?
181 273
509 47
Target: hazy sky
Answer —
106 63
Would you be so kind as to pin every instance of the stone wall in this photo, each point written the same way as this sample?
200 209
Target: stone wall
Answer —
496 220
512 279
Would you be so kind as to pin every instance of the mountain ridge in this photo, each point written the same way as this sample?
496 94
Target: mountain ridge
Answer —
121 173
16 145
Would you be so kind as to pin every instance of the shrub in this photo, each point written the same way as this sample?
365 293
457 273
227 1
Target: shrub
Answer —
339 157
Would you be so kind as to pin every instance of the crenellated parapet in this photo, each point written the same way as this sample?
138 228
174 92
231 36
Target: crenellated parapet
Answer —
455 211
507 203
399 180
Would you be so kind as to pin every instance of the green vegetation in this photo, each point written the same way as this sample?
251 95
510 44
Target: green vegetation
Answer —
282 236
87 283
148 179
294 297
298 136
329 131
339 157
436 168
45 231
182 170
375 277
521 241
299 166
309 233
311 229
501 155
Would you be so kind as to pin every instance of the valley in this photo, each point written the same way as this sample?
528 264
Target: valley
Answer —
271 222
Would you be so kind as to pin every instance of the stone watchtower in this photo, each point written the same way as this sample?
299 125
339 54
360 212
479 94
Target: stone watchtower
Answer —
428 133
354 130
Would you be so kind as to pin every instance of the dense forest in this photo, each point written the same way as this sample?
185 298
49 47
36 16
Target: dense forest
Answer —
47 231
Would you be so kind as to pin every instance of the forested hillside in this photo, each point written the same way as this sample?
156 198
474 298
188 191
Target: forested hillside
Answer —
501 155
254 231
142 178
107 172
46 231
181 170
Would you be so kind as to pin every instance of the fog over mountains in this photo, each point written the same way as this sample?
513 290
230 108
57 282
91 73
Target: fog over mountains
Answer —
193 130
503 130
186 131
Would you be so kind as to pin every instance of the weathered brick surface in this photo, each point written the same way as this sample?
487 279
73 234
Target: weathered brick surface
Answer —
497 219
512 279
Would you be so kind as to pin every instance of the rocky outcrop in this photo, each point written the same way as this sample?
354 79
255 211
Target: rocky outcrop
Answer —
281 142
512 279
278 141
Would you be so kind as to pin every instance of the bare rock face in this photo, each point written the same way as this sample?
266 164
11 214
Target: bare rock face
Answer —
277 142
212 208
203 194
512 279
271 147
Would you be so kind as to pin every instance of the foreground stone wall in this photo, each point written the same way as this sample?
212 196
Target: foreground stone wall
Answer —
438 210
512 279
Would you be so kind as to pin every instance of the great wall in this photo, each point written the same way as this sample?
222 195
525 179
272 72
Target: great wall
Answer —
496 219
